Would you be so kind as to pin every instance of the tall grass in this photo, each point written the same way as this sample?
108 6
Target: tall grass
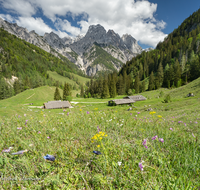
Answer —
172 164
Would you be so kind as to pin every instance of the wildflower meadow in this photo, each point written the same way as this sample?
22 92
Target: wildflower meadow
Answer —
89 148
96 146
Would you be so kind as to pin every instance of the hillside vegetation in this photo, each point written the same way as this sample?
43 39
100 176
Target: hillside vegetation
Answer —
139 149
29 64
174 62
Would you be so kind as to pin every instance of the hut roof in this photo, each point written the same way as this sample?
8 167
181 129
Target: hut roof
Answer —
57 104
136 98
122 101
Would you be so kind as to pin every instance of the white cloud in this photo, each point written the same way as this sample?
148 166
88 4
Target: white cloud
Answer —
7 17
21 7
36 24
66 26
130 16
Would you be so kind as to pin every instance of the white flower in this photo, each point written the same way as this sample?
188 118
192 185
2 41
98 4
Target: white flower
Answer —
119 163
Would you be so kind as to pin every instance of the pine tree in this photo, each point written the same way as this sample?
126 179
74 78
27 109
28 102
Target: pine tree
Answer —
66 91
105 92
91 87
151 82
143 86
136 84
16 87
183 63
120 86
100 86
112 88
160 75
177 73
82 91
57 94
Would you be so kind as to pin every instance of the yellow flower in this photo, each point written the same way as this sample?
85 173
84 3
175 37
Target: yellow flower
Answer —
98 146
159 116
152 112
80 109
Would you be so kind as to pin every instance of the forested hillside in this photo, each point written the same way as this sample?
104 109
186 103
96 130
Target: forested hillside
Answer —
29 64
174 62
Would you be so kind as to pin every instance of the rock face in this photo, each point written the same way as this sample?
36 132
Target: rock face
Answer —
97 51
23 33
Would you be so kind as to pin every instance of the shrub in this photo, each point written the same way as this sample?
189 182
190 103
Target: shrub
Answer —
167 99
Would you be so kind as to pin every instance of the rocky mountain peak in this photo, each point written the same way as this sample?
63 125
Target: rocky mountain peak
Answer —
131 43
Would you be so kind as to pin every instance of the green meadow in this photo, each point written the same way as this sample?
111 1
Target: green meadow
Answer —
54 75
138 149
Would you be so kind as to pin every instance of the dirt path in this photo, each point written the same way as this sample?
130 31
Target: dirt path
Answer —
30 96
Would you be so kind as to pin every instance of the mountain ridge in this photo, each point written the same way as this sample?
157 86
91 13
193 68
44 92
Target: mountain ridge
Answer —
122 48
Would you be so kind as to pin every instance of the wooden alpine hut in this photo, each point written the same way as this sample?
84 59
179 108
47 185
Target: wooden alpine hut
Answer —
135 98
57 104
120 102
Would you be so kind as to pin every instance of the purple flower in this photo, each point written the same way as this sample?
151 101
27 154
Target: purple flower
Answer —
26 122
144 143
24 115
88 112
193 135
138 112
67 113
161 140
171 129
64 110
154 138
6 150
19 116
98 129
19 128
196 122
185 124
39 132
179 121
48 137
141 166
130 113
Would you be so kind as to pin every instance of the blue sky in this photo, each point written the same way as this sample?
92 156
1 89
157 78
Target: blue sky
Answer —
148 21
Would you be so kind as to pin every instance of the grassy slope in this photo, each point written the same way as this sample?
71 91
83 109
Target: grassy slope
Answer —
62 79
179 103
172 164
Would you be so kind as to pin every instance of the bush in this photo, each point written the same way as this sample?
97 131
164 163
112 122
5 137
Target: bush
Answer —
130 92
167 99
69 98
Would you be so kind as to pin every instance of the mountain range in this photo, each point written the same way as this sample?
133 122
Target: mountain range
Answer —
98 50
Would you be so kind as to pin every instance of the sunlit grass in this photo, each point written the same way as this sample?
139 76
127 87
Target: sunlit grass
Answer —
134 149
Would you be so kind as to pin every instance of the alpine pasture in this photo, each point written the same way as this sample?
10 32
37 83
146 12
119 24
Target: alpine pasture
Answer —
101 147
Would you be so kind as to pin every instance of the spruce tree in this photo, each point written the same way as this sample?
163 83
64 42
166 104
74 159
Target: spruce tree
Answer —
112 88
143 86
105 92
16 87
82 91
100 86
151 82
120 86
177 73
136 84
65 91
160 75
57 94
